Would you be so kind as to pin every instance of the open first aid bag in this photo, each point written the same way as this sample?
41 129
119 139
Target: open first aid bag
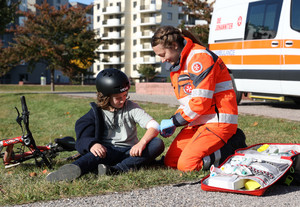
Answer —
254 169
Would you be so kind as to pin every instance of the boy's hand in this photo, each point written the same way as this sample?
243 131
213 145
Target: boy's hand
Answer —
137 149
98 150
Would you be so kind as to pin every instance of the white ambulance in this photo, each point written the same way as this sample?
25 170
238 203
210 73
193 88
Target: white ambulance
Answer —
259 41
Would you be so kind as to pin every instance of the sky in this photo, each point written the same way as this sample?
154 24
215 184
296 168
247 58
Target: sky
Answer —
83 1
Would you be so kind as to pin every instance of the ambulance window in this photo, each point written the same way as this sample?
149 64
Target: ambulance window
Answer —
262 19
295 15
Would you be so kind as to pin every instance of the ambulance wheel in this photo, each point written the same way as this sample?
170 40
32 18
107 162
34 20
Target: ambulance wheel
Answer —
238 96
237 93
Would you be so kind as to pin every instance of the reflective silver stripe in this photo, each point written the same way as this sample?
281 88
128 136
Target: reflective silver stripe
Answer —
185 101
193 52
223 86
189 112
202 93
213 118
217 157
206 162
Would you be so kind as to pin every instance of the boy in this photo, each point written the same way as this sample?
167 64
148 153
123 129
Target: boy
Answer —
107 134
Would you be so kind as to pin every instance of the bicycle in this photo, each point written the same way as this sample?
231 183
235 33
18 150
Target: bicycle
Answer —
41 154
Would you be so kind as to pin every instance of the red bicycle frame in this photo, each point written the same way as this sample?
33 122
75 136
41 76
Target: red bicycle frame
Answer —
10 158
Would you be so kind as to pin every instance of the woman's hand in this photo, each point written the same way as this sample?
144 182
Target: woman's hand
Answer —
98 150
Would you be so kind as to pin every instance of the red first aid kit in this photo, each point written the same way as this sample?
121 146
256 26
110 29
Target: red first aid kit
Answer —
254 169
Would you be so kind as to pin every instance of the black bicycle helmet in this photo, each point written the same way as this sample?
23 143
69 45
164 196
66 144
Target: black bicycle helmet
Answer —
112 81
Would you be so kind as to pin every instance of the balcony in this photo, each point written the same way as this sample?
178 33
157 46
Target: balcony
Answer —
111 35
148 8
147 60
111 10
110 48
112 22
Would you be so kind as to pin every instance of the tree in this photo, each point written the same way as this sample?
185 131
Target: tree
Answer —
197 9
7 13
148 71
58 38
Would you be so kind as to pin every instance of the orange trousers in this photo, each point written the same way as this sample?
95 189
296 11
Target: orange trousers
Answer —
192 144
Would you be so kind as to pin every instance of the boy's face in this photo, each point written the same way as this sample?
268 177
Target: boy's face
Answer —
117 100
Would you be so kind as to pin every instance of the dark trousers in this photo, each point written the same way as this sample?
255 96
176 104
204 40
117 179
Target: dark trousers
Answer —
120 159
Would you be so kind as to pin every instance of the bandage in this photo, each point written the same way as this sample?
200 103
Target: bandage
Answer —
153 124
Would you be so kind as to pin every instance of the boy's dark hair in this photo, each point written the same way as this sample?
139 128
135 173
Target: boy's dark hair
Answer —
103 101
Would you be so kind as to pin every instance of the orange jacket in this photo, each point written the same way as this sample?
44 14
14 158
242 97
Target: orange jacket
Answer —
203 86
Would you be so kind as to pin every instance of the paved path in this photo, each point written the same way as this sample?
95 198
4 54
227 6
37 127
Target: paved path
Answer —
284 110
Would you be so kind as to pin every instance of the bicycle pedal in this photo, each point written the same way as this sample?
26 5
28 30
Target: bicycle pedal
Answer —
11 165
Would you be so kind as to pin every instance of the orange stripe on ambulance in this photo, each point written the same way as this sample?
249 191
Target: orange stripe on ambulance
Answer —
259 41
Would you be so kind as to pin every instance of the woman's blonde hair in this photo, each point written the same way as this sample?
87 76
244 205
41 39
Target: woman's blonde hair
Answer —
167 35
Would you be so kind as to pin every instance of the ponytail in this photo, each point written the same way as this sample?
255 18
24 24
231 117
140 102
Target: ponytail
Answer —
166 35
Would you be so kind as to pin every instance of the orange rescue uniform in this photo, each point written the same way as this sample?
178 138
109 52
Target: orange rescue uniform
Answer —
208 109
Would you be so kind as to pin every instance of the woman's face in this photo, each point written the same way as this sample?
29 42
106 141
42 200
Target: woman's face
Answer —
170 55
117 100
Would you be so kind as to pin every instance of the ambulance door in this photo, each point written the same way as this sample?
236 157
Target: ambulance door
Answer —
262 48
290 73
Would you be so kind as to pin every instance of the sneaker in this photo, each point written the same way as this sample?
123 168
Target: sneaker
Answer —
102 169
66 172
107 170
237 141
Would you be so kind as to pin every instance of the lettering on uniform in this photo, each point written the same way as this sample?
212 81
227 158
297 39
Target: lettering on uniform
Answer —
197 67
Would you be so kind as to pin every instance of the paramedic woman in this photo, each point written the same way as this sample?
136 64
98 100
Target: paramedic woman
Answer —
208 110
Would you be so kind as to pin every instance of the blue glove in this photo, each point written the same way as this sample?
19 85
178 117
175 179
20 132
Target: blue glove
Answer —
167 127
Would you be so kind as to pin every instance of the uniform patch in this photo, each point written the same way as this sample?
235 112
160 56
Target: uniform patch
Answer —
187 89
197 67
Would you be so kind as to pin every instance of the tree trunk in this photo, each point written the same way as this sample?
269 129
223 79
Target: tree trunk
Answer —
82 79
52 80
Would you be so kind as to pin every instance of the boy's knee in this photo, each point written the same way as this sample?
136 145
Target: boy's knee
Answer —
158 143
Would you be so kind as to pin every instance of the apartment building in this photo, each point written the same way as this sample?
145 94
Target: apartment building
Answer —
20 72
126 28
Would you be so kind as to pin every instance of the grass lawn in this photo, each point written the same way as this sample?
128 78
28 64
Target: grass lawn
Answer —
53 115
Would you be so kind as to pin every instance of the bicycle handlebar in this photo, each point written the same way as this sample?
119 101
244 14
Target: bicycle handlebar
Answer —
28 138
25 114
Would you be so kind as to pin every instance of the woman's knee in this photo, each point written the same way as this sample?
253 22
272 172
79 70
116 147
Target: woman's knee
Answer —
188 164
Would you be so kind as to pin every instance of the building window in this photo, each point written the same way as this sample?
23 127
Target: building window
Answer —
134 42
169 3
98 18
98 67
98 6
134 29
153 1
169 16
134 4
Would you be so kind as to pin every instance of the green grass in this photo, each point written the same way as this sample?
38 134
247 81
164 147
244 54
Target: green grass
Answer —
53 116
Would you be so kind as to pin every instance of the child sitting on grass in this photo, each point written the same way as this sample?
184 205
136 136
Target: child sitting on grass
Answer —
107 134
